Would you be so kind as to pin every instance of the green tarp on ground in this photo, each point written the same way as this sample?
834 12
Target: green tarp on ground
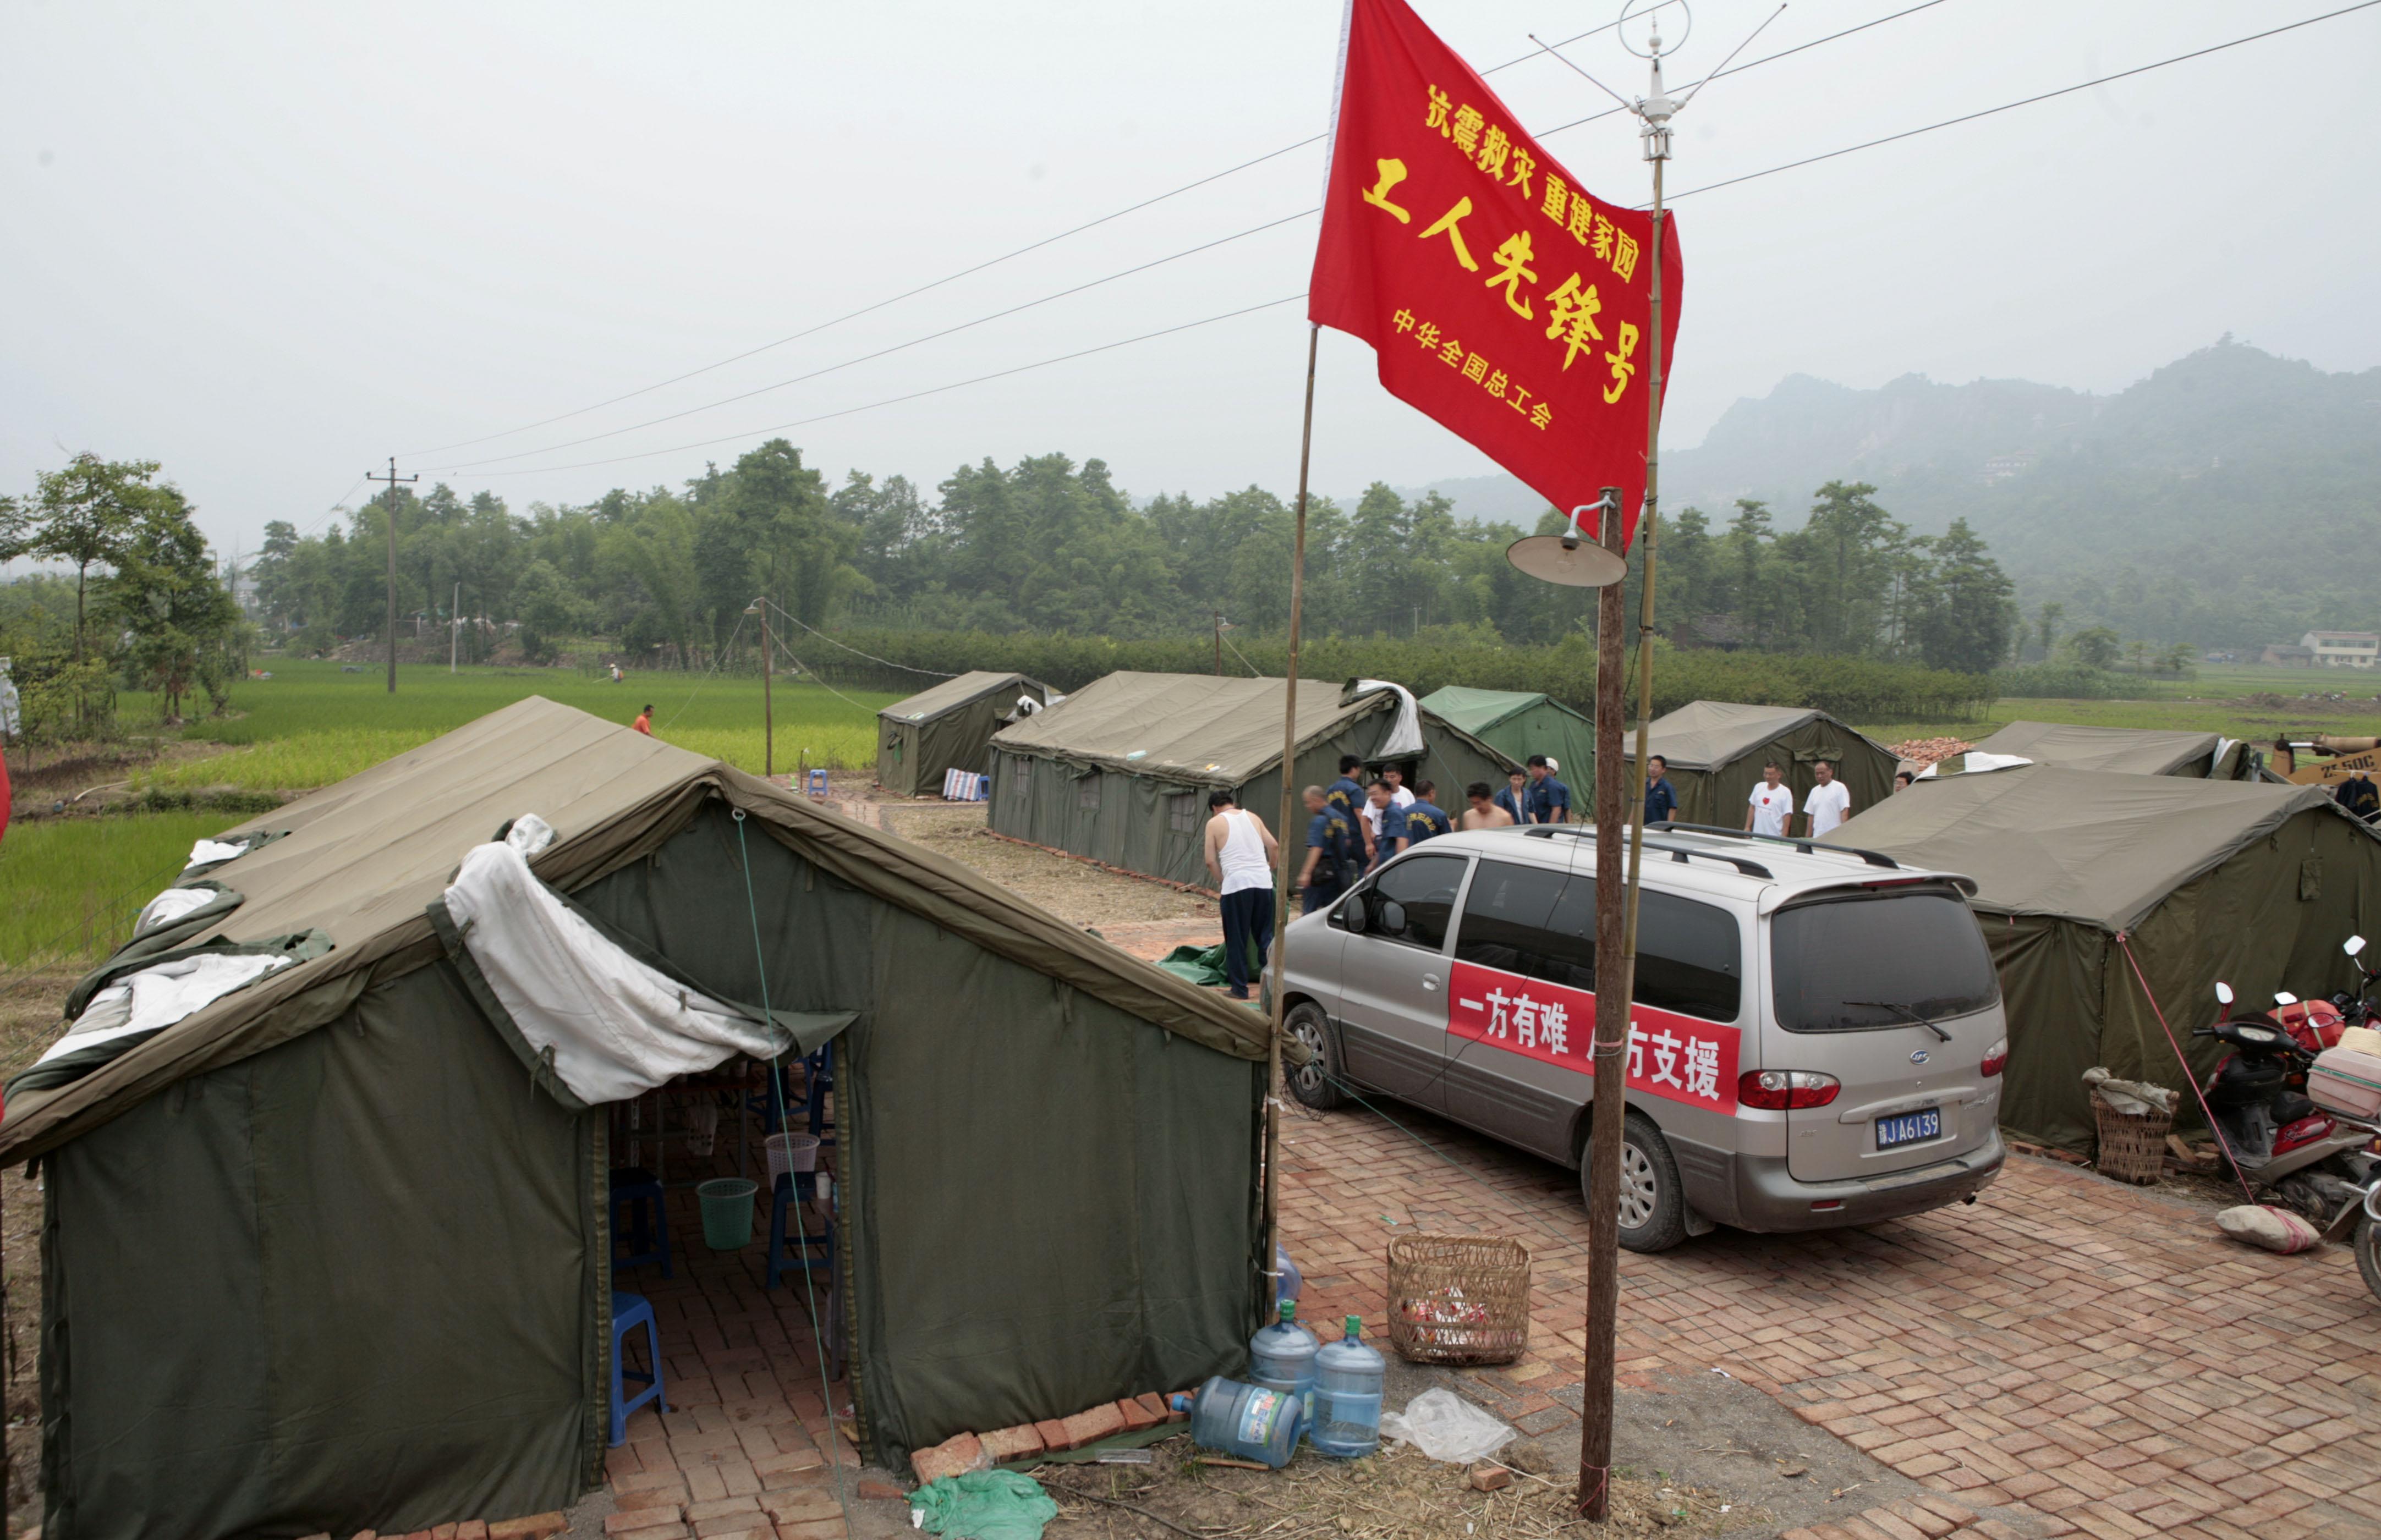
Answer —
946 728
1522 722
2251 883
1121 769
1716 749
2136 751
322 1256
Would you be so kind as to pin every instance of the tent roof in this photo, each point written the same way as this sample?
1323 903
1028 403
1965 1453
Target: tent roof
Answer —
2140 751
1704 733
364 858
1476 711
1195 728
2097 846
952 694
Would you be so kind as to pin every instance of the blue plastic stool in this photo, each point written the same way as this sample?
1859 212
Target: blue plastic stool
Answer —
629 1312
790 1253
633 1188
821 1081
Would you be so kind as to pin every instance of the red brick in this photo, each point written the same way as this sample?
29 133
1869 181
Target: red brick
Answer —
954 1456
1054 1435
1022 1442
721 1507
1158 1404
1138 1417
638 1522
1090 1427
472 1529
813 1529
799 1505
443 1531
878 1489
736 1526
537 1527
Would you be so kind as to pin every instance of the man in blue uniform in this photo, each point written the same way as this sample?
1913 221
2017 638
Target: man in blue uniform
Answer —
1515 798
1387 819
1549 799
1661 802
1425 819
1346 795
1335 852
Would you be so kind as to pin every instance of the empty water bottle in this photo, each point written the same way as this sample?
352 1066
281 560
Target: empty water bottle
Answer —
1281 1357
1348 1379
1287 1281
1248 1422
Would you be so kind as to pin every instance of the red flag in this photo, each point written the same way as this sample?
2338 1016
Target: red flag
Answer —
1503 299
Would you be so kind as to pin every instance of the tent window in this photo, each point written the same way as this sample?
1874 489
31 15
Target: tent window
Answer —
1182 811
1087 794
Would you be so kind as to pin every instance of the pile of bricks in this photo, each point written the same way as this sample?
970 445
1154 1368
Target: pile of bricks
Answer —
1927 751
972 1452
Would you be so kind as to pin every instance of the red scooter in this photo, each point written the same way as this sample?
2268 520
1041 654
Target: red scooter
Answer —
2313 1162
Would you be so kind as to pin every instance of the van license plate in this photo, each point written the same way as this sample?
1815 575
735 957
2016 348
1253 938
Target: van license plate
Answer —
1910 1128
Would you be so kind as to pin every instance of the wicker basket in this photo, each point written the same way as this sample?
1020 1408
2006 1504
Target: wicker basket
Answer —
1458 1299
2132 1148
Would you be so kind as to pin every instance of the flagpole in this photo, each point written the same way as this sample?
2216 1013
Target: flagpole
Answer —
1616 935
1288 792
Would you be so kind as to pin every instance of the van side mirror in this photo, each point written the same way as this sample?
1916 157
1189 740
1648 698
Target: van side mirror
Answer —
1391 919
2223 994
2353 945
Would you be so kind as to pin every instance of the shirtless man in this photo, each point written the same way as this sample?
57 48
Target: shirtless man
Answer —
1485 812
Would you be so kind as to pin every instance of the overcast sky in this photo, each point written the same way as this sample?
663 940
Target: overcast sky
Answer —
269 245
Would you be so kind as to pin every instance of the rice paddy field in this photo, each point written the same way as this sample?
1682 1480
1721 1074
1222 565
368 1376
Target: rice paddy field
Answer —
70 886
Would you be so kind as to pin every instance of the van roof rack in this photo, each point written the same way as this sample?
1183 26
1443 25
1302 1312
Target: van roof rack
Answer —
1808 847
1680 853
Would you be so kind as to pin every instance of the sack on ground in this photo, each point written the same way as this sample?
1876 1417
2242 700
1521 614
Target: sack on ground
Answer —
2276 1230
1445 1426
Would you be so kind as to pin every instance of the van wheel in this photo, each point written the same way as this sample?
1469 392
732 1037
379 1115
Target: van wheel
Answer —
1653 1211
1316 1082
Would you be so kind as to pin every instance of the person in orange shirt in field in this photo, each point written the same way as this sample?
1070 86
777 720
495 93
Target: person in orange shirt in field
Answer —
645 722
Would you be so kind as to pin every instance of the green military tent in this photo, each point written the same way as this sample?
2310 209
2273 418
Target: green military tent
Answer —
1523 722
948 727
332 1251
2083 875
2135 750
1716 749
1121 769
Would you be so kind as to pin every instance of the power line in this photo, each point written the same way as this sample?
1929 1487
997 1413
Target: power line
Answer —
337 505
882 352
964 273
931 390
2030 101
822 636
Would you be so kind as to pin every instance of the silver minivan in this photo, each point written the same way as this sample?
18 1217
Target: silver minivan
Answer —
1816 1040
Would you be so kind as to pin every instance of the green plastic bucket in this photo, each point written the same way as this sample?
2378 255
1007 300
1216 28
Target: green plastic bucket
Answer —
726 1212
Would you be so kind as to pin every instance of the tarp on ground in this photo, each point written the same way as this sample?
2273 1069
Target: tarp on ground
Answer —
2137 751
1716 749
2252 883
1522 722
386 1305
1120 770
946 728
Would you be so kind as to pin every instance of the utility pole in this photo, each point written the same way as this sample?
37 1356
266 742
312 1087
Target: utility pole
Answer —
1616 905
768 712
1218 616
393 478
455 628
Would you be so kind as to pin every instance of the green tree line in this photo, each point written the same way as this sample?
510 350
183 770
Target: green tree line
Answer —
1048 546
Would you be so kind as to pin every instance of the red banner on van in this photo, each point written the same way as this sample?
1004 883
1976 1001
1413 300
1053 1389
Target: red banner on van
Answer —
1669 1055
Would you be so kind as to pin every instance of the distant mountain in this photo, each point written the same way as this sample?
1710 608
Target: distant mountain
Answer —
2231 498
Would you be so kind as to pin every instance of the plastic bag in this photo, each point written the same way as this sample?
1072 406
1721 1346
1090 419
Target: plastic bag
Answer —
982 1505
1445 1426
2276 1230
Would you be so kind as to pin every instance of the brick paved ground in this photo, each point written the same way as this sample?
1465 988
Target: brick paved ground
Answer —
2091 1356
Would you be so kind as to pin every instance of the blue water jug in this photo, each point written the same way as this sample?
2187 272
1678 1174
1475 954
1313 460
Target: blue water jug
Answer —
1281 1357
1248 1422
1287 1281
1348 1380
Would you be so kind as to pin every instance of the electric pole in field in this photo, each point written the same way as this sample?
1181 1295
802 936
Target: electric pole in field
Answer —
393 478
1218 617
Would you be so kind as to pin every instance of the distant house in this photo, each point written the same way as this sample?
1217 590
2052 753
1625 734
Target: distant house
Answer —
2001 468
2343 649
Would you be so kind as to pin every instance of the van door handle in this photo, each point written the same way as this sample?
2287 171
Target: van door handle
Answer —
1430 981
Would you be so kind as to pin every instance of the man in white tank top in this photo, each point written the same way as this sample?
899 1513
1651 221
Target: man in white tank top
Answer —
1240 852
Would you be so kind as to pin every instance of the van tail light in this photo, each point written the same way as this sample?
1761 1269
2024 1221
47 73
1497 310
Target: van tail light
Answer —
1996 1058
1781 1088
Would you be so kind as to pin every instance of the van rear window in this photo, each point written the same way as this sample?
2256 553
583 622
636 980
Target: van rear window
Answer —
1849 965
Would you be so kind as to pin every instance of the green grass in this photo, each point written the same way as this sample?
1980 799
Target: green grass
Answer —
2218 700
69 888
311 724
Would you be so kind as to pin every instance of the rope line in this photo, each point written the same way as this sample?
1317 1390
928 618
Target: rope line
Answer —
716 655
822 636
2125 944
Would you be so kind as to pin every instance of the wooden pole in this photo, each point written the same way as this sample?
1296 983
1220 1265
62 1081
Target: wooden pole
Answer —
392 478
1288 793
1217 616
768 705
